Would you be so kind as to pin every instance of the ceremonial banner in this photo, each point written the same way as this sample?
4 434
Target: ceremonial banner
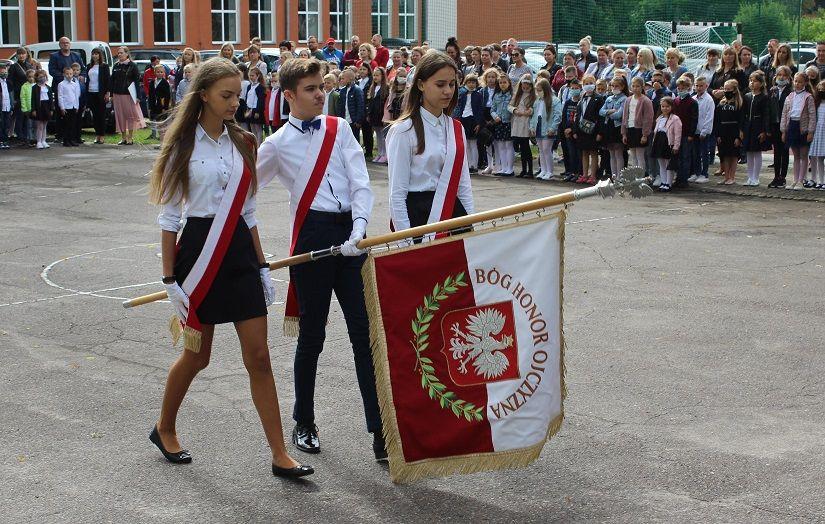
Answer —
468 348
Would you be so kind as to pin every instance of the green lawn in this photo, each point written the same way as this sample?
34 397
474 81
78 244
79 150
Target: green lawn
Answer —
141 136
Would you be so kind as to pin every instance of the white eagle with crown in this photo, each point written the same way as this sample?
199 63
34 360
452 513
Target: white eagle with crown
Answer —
480 345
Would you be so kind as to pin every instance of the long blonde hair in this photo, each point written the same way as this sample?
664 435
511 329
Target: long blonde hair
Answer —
170 173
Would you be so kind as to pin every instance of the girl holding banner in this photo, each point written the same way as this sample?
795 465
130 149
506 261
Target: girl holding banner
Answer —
427 161
216 272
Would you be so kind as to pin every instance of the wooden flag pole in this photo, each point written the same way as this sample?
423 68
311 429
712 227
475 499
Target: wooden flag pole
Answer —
636 187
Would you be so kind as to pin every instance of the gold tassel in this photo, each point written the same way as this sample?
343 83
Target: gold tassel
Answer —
291 327
191 336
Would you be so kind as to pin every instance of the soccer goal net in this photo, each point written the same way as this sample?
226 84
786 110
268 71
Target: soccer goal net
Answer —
680 34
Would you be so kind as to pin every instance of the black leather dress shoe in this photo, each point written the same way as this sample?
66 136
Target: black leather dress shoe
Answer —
181 457
305 438
379 447
302 470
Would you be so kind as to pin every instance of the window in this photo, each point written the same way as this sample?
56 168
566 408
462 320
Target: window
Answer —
260 20
224 21
10 22
381 17
167 16
307 19
339 20
406 19
54 20
123 22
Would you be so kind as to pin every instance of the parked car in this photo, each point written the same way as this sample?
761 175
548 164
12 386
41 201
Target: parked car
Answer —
801 55
142 58
206 54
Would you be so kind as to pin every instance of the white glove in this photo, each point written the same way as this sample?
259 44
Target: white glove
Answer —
269 287
348 248
179 300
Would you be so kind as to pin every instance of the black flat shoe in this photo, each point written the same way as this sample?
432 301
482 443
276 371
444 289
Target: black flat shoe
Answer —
299 471
305 438
181 457
379 447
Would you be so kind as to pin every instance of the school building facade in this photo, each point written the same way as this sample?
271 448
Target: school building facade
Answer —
206 24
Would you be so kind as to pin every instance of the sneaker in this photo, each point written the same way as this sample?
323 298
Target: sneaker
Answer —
657 182
747 183
791 186
798 187
487 171
46 146
570 178
702 180
808 184
693 178
664 188
775 184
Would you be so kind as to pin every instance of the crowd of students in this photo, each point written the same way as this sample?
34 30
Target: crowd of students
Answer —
597 112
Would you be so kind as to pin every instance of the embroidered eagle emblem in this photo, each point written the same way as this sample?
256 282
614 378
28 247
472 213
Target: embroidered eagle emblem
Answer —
479 346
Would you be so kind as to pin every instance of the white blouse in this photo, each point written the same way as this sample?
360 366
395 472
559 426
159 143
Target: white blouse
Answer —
94 78
252 96
631 111
409 172
210 167
797 106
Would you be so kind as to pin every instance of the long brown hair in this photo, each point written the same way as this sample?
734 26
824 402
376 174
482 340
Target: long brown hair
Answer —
432 62
519 92
544 86
170 172
382 93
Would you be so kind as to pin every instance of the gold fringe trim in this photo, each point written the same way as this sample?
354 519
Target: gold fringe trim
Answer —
402 472
291 327
191 337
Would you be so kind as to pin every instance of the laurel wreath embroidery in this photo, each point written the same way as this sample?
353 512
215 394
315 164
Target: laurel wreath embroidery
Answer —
420 342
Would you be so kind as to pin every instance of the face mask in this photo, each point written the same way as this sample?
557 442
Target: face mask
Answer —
781 82
402 80
3 75
589 88
684 94
617 91
575 92
729 95
41 80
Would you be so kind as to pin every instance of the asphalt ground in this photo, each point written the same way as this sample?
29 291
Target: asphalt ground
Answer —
694 329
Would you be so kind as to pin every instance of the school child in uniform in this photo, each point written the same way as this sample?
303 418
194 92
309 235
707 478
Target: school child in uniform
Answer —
798 125
667 137
611 113
81 108
521 107
160 97
687 109
318 161
486 158
209 154
42 107
587 130
469 111
637 122
756 126
6 106
727 128
68 95
569 115
704 139
254 100
183 85
376 99
395 101
502 139
544 125
419 171
277 106
25 96
781 152
817 151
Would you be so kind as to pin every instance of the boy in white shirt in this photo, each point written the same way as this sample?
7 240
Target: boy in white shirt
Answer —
68 95
703 152
317 159
6 105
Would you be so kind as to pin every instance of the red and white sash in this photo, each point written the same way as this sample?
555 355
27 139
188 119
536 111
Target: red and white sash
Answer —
273 108
447 188
301 197
200 278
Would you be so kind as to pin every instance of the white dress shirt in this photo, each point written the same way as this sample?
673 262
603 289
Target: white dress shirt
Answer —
4 91
631 111
346 184
44 93
490 92
413 173
252 96
468 105
210 168
796 106
68 94
94 78
707 110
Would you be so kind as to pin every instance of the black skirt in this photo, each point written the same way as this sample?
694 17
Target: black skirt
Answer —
44 111
501 131
236 293
661 148
751 142
419 204
634 137
612 135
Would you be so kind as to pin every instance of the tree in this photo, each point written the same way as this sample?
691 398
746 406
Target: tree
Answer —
762 21
813 27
